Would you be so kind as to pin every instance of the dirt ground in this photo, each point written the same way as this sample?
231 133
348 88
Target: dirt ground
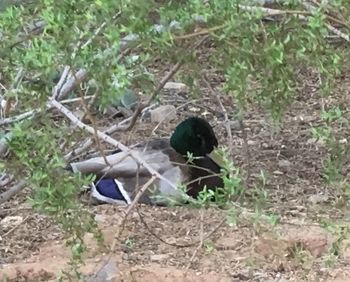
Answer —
297 249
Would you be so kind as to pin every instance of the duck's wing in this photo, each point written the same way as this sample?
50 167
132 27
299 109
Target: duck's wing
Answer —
124 174
121 164
205 172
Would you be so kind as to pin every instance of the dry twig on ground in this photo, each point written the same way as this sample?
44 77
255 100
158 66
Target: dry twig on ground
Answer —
201 240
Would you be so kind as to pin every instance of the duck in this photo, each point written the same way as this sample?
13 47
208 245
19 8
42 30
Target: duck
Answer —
187 158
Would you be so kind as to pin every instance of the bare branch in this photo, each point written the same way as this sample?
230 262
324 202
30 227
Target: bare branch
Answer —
20 117
92 119
301 15
74 80
342 35
56 90
109 140
4 197
132 120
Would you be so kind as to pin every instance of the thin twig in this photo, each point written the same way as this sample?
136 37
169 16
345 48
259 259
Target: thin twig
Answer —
93 122
77 78
200 33
165 79
60 91
227 120
141 106
16 226
31 113
201 240
57 88
98 30
131 120
300 14
271 12
342 35
17 118
174 110
117 236
216 228
246 151
131 206
17 81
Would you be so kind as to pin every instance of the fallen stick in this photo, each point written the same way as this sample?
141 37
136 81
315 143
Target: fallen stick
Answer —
4 197
108 139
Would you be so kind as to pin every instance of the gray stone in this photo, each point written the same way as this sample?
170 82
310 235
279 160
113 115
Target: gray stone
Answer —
159 257
164 113
10 222
284 163
100 218
318 198
252 142
176 86
109 272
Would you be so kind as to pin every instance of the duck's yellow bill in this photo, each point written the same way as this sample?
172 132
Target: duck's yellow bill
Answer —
217 158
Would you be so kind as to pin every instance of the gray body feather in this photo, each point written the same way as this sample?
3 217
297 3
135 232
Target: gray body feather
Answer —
121 166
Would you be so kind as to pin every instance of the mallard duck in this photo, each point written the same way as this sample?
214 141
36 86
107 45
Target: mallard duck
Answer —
118 182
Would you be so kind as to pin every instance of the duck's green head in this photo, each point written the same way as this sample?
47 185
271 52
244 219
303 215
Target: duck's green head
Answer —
194 135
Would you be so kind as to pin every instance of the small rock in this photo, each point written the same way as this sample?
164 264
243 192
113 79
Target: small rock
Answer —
206 113
10 222
111 111
128 100
109 272
146 112
314 141
176 86
199 19
129 40
251 142
235 125
313 239
265 145
79 113
311 141
100 218
125 256
159 257
164 113
316 199
284 163
300 208
227 243
195 109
